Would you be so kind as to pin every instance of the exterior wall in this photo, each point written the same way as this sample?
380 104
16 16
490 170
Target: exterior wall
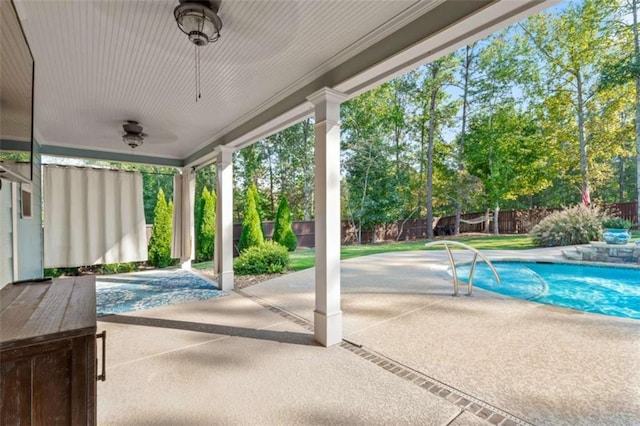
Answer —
29 230
6 248
30 236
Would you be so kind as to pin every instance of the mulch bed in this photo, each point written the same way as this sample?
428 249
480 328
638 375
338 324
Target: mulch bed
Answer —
242 281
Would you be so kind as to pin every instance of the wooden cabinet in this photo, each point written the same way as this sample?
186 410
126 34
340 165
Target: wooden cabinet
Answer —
48 353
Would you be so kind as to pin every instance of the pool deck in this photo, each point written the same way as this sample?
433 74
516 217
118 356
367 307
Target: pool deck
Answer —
413 355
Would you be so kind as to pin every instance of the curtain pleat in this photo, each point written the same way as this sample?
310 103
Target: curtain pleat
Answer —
92 217
177 238
183 204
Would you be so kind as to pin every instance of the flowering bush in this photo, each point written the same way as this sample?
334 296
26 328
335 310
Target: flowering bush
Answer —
573 225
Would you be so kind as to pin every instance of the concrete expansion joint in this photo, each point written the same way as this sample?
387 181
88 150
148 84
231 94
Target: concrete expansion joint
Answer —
466 402
302 322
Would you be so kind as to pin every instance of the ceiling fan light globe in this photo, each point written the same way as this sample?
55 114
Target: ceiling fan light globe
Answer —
133 141
198 21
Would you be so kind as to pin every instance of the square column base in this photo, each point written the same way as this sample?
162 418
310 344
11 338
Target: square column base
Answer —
225 281
328 328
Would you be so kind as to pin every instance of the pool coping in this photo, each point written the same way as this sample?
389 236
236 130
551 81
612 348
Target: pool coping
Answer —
558 261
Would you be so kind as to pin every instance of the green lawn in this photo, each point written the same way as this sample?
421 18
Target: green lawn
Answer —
305 258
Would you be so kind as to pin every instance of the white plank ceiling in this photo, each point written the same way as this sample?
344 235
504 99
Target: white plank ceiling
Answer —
101 62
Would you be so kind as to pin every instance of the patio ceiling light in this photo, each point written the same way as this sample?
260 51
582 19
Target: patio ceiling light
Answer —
199 20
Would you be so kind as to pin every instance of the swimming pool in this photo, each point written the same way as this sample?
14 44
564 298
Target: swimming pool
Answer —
605 290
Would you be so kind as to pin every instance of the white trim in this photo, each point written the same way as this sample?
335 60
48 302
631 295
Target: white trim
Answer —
327 94
14 230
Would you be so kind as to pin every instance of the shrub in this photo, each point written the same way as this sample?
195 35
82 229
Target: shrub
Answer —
616 223
252 234
289 240
574 225
282 232
269 258
160 242
59 272
117 268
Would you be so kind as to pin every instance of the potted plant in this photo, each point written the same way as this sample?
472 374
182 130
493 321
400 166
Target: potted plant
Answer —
616 230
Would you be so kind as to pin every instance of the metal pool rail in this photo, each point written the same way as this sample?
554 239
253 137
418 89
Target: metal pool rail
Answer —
475 252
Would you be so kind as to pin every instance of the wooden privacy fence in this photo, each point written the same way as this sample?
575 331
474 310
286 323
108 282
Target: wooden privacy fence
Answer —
509 222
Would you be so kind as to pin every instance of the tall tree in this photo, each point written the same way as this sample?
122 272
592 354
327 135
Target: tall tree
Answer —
636 67
572 46
505 150
460 190
369 191
438 74
627 70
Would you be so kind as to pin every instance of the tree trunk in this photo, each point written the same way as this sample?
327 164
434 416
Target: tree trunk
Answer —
496 214
465 97
430 143
487 222
422 165
621 181
584 168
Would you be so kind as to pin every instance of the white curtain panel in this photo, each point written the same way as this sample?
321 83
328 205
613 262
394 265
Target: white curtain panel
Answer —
92 217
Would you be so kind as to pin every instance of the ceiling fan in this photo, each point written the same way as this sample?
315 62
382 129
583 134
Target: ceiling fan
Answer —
133 134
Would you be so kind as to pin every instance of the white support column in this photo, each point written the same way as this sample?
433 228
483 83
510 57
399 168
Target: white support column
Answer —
188 217
224 218
327 315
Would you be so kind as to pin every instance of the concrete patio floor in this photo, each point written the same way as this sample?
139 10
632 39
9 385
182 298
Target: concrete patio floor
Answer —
413 355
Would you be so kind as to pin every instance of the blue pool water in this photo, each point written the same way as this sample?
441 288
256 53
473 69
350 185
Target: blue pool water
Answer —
604 290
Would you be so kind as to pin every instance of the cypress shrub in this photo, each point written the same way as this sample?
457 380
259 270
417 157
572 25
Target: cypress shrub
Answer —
206 226
282 232
256 197
289 240
160 242
252 234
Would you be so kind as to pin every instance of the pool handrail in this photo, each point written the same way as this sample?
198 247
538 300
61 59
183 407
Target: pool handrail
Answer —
475 252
